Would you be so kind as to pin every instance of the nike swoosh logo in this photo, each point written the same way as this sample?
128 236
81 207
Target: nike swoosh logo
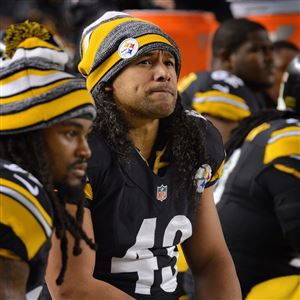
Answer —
34 190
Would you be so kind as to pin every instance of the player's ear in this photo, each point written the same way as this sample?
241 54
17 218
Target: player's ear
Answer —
225 58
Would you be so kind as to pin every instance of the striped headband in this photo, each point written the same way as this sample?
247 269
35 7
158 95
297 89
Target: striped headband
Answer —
36 93
114 40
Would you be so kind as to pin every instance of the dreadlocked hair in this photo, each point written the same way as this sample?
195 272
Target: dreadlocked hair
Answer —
239 134
14 148
186 137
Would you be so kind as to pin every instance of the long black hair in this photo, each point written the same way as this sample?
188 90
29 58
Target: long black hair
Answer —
28 151
185 137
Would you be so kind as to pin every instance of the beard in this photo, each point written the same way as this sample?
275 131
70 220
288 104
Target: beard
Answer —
70 194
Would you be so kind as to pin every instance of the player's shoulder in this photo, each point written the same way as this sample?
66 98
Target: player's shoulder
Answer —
102 154
18 176
279 138
200 120
212 136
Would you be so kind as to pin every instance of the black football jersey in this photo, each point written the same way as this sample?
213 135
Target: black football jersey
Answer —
25 222
140 217
219 94
259 205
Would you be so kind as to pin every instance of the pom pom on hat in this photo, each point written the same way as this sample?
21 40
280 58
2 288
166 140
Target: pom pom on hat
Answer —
35 91
17 33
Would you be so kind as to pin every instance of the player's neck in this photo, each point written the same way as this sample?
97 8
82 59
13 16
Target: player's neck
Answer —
143 137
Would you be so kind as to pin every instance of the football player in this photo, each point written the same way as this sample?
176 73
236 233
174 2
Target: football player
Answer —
259 192
151 174
242 67
45 117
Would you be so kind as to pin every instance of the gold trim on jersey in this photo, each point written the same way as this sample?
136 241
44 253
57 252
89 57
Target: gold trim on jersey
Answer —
181 262
257 130
288 170
283 142
23 192
218 174
8 254
186 81
23 223
223 105
88 191
284 288
158 164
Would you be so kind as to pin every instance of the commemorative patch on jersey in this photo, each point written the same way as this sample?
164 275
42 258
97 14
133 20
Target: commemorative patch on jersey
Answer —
128 48
162 192
203 176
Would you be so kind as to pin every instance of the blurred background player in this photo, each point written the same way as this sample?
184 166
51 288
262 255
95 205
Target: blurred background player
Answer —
45 117
242 67
259 204
284 52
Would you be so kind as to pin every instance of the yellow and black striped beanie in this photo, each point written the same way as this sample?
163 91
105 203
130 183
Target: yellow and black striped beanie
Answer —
35 92
114 40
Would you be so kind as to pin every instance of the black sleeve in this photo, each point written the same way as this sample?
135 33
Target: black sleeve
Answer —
97 168
284 189
216 152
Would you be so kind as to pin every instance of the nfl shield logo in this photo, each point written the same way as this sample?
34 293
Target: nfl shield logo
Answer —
162 192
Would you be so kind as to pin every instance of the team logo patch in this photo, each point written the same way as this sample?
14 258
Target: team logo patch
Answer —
162 192
128 48
203 176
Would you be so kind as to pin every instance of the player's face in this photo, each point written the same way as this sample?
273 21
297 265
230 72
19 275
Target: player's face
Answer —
282 58
253 61
68 151
147 88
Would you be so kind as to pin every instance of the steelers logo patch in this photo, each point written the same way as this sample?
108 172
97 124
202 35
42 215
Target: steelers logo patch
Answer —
128 48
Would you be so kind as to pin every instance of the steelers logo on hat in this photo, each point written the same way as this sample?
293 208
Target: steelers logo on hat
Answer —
128 48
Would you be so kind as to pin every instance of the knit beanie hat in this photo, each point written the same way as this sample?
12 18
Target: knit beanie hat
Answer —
35 92
114 40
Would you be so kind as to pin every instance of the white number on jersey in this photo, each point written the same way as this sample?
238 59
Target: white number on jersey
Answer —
140 259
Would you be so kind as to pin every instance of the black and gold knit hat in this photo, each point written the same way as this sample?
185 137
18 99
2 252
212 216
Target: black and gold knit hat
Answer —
114 40
35 92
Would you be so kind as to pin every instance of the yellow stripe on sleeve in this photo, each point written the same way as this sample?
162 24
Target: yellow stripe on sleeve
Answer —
287 170
8 254
26 227
223 105
284 142
218 174
29 196
254 132
186 81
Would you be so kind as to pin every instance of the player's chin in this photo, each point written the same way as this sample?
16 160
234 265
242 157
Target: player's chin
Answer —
75 181
165 108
